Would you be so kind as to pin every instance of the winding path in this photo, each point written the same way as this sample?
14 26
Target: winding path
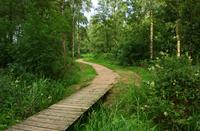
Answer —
63 114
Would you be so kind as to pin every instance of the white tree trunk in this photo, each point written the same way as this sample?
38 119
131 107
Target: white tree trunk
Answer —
79 42
151 34
178 38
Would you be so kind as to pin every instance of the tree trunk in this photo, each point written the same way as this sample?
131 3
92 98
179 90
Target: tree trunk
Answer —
151 34
79 43
178 38
63 35
72 43
10 34
73 28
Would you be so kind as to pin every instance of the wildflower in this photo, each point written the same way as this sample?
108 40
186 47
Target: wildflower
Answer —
151 68
165 114
197 74
146 106
142 108
49 97
162 53
16 81
152 84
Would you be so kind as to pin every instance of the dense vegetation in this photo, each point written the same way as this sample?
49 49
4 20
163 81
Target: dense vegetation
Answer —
134 30
159 35
37 50
26 94
156 39
165 97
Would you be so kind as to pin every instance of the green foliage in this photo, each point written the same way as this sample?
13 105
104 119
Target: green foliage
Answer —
178 82
123 28
159 103
26 94
23 97
6 55
39 45
133 53
112 119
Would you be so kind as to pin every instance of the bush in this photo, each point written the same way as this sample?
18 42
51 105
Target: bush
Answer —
38 48
171 100
177 82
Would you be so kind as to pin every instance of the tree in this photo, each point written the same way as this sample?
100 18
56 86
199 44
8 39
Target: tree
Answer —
64 34
176 6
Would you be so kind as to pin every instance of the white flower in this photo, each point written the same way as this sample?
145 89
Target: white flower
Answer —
152 84
16 81
49 97
162 53
151 68
165 114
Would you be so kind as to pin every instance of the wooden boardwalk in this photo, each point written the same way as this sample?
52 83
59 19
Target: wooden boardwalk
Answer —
63 114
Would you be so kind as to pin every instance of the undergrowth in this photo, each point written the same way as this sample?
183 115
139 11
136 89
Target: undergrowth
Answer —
26 94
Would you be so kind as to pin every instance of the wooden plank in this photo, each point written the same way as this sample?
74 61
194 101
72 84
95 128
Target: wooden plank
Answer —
66 108
71 106
49 121
14 129
55 117
60 114
31 128
44 125
64 111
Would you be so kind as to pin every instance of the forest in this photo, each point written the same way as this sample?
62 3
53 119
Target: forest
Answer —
153 45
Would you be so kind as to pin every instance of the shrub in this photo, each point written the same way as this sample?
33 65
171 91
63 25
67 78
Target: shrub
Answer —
171 100
177 82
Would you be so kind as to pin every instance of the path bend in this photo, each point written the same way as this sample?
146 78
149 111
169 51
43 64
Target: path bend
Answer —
62 115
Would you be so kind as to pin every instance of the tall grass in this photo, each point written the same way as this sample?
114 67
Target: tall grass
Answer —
126 114
24 95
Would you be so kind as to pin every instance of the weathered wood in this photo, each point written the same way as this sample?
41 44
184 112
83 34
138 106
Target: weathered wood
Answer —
63 114
49 121
44 125
22 127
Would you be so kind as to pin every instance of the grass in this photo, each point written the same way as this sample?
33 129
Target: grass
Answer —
136 104
116 113
27 94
